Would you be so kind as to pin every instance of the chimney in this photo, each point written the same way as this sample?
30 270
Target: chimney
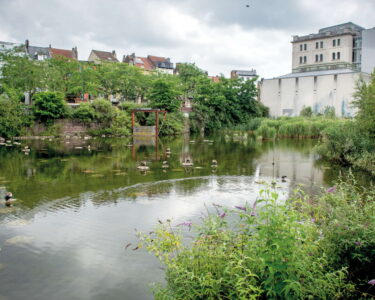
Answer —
27 44
75 52
114 53
50 46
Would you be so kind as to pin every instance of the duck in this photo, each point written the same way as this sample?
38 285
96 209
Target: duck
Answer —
165 165
143 166
214 163
187 163
283 178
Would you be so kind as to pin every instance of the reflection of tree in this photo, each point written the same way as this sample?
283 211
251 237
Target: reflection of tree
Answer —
185 156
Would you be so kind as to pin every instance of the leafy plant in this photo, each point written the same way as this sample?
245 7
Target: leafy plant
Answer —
49 106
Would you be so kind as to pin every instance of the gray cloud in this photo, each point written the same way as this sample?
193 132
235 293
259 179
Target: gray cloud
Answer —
219 35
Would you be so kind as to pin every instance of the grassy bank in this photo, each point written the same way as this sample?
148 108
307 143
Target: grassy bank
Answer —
287 127
296 250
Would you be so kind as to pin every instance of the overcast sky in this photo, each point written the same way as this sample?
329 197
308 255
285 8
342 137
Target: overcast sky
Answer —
218 35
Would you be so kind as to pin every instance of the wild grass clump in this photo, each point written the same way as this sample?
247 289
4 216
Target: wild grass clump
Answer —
266 132
294 250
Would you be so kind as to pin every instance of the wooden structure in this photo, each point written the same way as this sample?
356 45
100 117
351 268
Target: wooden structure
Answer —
147 130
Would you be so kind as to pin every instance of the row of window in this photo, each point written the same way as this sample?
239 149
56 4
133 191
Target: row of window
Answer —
336 42
319 57
336 56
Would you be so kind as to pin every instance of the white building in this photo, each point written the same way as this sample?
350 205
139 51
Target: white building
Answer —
325 70
247 75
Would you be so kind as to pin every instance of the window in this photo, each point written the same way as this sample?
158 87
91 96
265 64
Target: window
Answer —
317 45
300 47
300 59
338 55
338 42
333 56
304 59
316 58
321 44
321 57
334 43
305 47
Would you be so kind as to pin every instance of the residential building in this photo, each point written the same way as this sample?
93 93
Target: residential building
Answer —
161 64
102 56
37 53
150 63
56 53
325 69
140 62
247 75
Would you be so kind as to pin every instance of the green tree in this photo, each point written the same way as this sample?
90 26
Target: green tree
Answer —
164 94
14 116
21 73
365 103
306 112
49 106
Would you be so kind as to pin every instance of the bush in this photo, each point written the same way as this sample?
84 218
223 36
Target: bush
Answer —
269 251
84 113
172 125
105 112
265 132
49 106
306 112
14 117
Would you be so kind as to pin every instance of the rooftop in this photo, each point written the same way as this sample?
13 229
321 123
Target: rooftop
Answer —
316 73
336 30
106 56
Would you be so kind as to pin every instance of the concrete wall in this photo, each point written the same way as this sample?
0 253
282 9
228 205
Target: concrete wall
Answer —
345 49
368 50
287 96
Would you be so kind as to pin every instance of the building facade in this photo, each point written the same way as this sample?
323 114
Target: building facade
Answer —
247 75
326 67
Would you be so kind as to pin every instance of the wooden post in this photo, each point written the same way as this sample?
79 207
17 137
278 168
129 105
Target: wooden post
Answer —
157 123
132 119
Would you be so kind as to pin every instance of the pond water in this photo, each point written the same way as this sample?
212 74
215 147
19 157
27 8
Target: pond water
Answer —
80 202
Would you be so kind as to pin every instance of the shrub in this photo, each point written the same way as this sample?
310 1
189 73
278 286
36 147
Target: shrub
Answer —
105 112
49 106
266 132
276 252
84 113
14 117
306 112
172 125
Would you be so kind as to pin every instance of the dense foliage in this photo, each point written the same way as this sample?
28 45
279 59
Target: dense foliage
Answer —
354 143
215 104
49 106
14 116
273 250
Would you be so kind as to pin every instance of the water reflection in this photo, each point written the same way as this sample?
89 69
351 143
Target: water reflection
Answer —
78 206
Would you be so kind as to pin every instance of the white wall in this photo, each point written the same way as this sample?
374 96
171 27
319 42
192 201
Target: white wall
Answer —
329 90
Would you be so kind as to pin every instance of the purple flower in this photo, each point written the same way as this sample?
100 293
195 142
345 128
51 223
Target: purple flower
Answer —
313 220
241 208
358 243
331 189
222 215
372 282
188 224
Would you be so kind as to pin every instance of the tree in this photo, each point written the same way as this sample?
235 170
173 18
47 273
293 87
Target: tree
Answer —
49 106
365 102
14 116
306 112
164 94
21 73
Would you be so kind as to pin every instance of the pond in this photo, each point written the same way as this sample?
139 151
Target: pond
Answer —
71 234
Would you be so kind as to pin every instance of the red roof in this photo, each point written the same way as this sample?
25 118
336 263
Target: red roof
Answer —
156 58
62 52
147 64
